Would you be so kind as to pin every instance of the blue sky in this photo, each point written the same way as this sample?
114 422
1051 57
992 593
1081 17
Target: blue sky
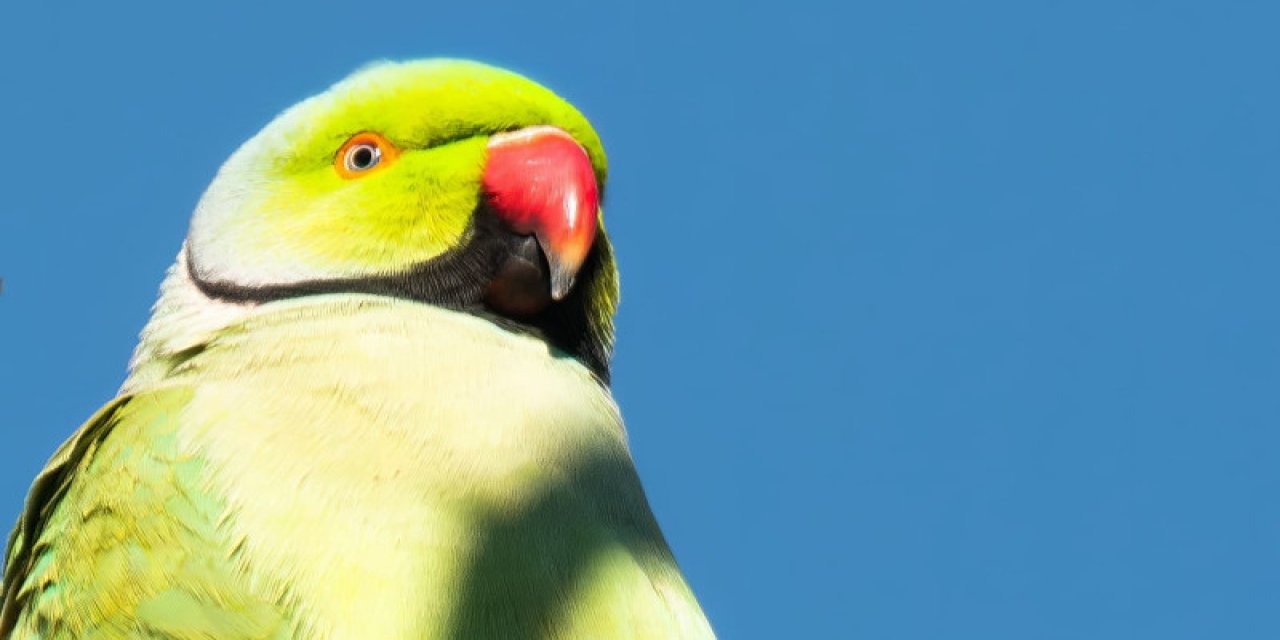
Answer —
939 321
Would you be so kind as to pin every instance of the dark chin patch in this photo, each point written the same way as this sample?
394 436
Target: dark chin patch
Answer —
459 279
522 286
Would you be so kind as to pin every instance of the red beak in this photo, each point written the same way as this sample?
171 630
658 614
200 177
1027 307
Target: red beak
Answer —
540 182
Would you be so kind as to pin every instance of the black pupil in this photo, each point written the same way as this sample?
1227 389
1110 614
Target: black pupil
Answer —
362 158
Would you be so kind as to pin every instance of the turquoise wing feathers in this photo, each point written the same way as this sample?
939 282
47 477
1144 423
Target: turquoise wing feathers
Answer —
119 540
45 494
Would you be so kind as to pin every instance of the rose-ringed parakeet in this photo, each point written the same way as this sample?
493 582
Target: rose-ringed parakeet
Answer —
372 400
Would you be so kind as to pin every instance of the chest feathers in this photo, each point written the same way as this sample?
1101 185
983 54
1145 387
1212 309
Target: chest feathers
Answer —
370 451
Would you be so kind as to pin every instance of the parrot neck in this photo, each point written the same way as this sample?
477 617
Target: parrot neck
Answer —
182 320
413 448
186 318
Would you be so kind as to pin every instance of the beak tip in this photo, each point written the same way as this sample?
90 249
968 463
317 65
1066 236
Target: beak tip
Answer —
561 284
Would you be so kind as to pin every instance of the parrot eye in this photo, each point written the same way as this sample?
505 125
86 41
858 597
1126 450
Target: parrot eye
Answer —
363 156
362 153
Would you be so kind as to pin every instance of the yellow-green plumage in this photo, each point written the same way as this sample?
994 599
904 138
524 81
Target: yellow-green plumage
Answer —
128 542
346 465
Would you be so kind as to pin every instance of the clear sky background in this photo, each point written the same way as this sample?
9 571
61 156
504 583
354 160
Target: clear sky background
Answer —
940 320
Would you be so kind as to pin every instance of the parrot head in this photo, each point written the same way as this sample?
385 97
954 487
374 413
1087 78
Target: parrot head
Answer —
446 182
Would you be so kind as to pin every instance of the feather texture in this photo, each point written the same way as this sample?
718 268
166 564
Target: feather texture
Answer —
355 467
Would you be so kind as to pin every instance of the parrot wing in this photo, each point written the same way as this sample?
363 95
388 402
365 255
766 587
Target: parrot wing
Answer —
118 539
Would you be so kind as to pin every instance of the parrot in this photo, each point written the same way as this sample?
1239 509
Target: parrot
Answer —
372 399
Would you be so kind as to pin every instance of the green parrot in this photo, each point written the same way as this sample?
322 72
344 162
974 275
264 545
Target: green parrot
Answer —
373 398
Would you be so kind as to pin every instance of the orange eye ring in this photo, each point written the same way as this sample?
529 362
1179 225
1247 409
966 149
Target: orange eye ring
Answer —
363 154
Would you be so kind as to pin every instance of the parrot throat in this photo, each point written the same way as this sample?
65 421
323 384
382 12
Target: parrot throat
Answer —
580 324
